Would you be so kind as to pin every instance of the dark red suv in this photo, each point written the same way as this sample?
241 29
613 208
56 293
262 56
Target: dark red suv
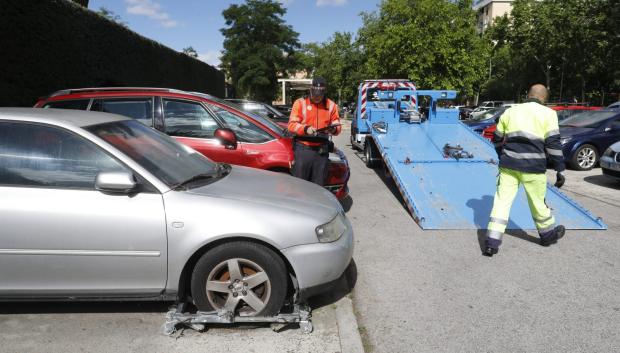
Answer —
216 128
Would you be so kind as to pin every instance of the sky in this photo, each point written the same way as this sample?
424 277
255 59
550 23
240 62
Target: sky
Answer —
197 23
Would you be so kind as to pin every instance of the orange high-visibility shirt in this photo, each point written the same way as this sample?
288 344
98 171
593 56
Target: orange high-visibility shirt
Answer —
319 116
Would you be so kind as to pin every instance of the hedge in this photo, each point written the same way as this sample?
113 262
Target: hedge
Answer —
48 45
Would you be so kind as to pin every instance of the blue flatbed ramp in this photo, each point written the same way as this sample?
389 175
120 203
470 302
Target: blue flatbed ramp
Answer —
446 193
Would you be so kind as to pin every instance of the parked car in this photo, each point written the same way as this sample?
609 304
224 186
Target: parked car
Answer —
610 161
563 112
566 111
464 111
99 206
586 135
613 106
193 118
488 132
284 108
488 118
488 105
262 109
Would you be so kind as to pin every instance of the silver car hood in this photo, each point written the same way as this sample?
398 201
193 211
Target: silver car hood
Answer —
273 189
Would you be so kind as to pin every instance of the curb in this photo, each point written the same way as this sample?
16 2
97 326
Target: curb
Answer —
350 339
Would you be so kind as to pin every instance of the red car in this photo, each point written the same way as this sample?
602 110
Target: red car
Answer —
216 128
563 111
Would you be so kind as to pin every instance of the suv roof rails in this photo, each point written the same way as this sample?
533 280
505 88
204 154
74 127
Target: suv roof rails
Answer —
102 89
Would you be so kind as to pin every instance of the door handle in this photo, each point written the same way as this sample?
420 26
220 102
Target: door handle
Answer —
251 152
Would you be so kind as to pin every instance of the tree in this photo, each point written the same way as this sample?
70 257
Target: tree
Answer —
110 15
258 46
570 45
340 61
432 42
190 51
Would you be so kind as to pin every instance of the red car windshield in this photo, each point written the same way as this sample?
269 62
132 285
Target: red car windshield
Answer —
264 121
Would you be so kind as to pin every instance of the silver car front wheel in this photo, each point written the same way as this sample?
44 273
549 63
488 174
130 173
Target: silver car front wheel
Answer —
246 278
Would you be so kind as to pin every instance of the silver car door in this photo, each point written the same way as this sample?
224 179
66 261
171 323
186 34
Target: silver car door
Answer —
61 237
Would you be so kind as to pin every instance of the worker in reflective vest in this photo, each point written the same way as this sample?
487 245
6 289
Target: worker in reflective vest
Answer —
312 120
526 135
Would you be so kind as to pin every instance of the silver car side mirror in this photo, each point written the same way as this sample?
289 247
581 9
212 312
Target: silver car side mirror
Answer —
115 182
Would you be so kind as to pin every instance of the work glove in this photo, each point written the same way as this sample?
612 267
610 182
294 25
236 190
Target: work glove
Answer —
559 180
310 131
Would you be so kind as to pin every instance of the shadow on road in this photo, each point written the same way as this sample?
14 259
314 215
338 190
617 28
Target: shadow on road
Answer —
602 180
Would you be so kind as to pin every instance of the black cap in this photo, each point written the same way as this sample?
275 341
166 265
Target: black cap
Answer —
319 82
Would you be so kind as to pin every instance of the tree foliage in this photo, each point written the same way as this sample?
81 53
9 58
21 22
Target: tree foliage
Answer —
190 51
432 42
572 46
110 15
340 61
258 46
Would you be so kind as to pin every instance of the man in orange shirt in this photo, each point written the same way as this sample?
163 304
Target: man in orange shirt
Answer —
312 120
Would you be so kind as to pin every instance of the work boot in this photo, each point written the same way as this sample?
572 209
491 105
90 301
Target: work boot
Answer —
552 238
489 251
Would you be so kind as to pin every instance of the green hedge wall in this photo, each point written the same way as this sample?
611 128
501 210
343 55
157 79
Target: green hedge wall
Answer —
48 45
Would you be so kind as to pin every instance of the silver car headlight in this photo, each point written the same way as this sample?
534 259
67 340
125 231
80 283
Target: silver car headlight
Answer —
333 230
565 140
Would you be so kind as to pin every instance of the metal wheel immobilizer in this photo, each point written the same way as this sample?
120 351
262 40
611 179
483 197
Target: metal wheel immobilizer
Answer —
586 157
238 285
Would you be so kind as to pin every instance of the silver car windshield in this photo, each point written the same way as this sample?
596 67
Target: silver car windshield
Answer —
168 160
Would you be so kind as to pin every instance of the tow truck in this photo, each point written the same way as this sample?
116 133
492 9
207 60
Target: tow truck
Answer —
445 172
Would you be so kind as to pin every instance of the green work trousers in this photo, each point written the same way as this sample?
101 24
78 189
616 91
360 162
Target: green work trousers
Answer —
508 182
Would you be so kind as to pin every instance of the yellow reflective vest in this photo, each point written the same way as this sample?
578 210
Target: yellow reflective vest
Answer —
526 135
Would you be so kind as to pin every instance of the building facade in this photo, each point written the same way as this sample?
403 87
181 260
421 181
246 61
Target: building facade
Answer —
488 10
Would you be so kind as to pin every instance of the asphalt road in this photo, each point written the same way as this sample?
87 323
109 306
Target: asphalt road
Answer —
432 291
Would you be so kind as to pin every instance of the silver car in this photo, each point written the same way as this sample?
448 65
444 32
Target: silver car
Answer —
98 206
610 161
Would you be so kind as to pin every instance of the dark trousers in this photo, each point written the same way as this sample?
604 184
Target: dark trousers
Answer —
311 163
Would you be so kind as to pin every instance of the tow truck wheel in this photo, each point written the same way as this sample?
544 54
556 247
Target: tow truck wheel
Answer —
246 278
370 154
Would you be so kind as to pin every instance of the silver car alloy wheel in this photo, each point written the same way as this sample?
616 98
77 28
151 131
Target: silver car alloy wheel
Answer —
586 158
238 280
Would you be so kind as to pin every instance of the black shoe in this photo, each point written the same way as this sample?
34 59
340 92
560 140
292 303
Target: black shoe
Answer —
558 232
489 251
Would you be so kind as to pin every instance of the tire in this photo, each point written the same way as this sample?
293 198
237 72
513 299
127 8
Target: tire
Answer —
251 293
584 158
370 154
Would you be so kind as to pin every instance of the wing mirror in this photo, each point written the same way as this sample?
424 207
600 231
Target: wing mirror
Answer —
227 137
115 182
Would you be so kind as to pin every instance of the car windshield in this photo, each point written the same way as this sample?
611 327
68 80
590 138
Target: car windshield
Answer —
488 114
168 160
590 118
270 124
